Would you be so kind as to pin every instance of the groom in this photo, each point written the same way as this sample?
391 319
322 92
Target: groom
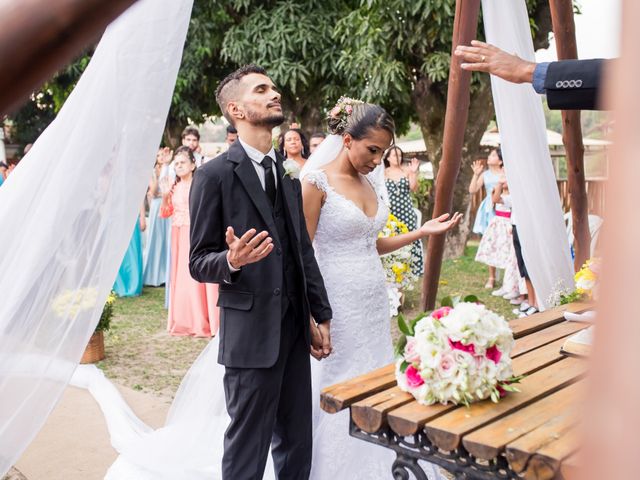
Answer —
248 234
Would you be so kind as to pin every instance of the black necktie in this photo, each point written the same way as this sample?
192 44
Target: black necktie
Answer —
269 179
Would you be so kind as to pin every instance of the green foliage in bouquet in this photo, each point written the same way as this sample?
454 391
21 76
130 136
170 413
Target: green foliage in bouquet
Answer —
107 312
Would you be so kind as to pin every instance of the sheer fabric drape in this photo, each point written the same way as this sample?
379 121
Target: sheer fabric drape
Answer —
527 162
68 211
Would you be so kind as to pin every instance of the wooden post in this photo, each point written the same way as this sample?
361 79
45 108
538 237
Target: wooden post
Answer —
464 30
37 37
564 31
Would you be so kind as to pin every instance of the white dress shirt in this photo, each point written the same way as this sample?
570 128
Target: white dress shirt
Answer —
256 157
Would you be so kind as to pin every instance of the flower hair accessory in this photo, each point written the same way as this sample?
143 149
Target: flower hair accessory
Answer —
338 116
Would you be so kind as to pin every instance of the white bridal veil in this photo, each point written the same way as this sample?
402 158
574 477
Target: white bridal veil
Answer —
527 163
68 210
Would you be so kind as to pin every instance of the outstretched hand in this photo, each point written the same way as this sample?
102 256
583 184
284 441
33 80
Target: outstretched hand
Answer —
249 248
441 224
483 57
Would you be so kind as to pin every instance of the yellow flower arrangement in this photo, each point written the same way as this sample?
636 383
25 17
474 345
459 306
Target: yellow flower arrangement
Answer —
397 265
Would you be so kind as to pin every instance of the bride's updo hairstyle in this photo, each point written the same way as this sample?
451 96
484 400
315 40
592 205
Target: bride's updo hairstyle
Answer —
356 118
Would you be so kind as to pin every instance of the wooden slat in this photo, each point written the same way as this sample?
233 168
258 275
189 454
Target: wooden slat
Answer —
370 414
545 464
446 432
527 325
488 442
342 395
519 451
548 335
571 467
408 419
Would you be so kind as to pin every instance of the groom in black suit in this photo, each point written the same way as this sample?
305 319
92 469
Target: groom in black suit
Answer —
248 234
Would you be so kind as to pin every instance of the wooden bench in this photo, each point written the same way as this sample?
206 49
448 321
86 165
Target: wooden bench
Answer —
531 434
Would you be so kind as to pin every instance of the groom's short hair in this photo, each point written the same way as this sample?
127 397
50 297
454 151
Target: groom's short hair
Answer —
228 87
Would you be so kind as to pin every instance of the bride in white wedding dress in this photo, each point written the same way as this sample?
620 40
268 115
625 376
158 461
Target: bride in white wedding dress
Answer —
345 209
344 200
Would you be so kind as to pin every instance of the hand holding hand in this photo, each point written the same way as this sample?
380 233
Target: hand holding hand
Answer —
477 167
249 248
325 331
440 225
483 57
316 342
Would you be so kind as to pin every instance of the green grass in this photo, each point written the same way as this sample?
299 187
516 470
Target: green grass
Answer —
464 276
142 355
139 351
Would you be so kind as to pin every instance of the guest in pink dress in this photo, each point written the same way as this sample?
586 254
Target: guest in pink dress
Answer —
192 305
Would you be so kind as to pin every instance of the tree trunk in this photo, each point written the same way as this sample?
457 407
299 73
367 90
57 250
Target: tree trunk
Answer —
430 107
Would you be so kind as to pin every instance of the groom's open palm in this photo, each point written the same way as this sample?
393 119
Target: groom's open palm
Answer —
249 248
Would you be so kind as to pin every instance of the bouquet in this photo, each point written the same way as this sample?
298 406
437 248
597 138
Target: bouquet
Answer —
586 280
459 353
397 264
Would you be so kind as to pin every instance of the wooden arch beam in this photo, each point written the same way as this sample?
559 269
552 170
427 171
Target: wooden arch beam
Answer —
38 37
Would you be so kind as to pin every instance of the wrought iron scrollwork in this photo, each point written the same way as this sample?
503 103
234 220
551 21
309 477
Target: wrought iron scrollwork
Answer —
410 450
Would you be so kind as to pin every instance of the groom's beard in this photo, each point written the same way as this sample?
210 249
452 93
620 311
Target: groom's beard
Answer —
270 121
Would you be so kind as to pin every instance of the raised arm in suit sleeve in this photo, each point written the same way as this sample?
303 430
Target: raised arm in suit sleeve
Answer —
316 291
574 84
208 252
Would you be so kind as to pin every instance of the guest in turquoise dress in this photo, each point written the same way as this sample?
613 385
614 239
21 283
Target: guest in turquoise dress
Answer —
129 280
156 252
488 179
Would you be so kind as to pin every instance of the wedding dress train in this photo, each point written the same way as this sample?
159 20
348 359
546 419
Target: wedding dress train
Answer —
190 446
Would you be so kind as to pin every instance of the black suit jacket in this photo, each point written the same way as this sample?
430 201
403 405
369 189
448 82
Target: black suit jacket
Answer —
226 191
574 84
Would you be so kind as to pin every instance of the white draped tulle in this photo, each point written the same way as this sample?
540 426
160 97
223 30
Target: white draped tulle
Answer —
68 210
527 163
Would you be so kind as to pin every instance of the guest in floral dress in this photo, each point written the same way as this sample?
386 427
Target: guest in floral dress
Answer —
401 180
496 247
192 305
488 179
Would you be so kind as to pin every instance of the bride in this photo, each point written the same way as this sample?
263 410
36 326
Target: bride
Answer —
343 190
344 206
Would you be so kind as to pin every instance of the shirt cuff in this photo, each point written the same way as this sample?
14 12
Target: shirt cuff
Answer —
539 76
231 269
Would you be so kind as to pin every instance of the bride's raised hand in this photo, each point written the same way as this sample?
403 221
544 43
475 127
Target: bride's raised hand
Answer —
249 248
441 224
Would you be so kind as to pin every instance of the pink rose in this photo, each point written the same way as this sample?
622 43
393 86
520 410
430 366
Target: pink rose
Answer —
413 377
441 312
335 111
494 354
447 365
410 353
348 109
471 348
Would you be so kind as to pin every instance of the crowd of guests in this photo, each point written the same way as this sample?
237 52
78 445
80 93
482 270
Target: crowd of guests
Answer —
499 246
158 251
